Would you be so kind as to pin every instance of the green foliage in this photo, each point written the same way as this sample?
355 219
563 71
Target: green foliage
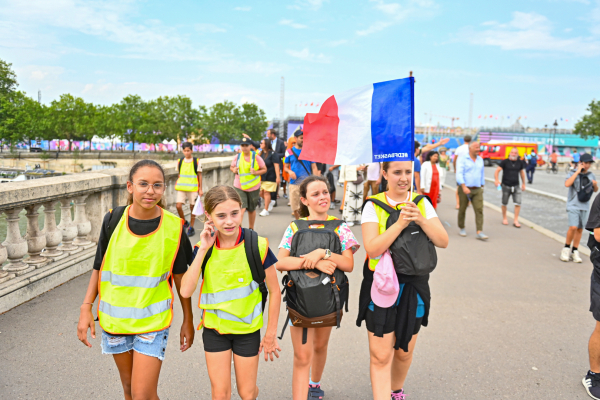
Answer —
228 121
66 118
589 125
8 78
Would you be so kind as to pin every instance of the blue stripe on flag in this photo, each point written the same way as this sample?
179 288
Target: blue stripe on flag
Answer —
392 120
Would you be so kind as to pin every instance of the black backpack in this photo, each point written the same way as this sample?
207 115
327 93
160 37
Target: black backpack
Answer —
585 188
254 260
313 298
413 253
195 165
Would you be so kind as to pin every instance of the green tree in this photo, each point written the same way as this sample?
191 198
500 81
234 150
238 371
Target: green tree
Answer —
66 117
227 121
21 118
176 118
8 78
589 125
133 119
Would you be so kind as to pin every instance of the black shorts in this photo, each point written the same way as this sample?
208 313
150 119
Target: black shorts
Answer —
390 323
243 345
595 297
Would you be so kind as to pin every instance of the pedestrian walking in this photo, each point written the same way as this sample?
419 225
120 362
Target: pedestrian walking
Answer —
353 180
320 256
462 150
248 168
188 186
444 159
432 177
531 164
395 304
582 185
417 169
332 176
554 160
235 264
591 381
471 181
286 178
511 168
279 148
142 252
298 170
371 183
271 178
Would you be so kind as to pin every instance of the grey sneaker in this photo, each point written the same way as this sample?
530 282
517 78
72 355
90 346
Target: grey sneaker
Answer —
315 392
462 233
482 236
591 383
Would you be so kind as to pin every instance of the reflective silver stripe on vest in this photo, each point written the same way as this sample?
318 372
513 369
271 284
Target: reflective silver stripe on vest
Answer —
187 184
252 182
228 295
133 281
188 176
246 174
230 317
133 312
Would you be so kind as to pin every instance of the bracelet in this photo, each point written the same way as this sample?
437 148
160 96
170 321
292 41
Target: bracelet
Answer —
88 303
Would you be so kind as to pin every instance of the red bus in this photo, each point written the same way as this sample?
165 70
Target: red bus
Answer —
495 151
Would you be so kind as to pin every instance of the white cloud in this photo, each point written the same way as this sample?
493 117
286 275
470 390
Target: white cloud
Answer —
291 23
241 67
246 8
398 12
530 31
306 55
209 28
336 43
107 20
307 4
258 40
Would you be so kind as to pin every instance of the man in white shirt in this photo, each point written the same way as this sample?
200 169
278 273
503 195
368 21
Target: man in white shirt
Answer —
372 179
462 150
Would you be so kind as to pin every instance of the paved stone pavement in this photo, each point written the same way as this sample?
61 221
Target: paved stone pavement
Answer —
508 321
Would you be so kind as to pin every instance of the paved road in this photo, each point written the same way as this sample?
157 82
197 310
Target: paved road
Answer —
508 321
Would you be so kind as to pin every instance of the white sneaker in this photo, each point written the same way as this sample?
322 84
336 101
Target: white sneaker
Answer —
565 254
271 205
576 258
264 213
350 223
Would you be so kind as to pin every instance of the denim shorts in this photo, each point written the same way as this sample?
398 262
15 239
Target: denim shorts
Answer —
151 344
578 218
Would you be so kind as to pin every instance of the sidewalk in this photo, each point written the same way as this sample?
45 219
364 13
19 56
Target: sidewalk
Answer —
508 320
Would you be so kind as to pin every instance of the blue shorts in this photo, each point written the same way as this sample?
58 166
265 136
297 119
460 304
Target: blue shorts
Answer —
578 218
152 344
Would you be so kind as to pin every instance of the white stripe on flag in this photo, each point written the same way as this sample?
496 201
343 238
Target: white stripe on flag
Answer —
354 144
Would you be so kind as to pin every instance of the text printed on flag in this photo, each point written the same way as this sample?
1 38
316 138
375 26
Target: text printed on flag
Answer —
390 155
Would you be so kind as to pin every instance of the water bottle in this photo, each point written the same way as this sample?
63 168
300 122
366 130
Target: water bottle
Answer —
499 187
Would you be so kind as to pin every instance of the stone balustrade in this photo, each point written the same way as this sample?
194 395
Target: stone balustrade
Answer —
45 258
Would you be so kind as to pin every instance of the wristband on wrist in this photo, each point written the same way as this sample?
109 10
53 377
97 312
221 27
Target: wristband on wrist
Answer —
88 303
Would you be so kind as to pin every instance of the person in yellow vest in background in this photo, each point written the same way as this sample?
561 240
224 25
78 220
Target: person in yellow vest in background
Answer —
248 167
189 185
389 335
231 298
142 251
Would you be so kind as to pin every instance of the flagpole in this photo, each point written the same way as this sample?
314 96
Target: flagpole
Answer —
412 167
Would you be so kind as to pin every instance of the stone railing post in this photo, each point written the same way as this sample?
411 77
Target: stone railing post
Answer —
4 276
84 226
36 239
16 246
67 227
53 235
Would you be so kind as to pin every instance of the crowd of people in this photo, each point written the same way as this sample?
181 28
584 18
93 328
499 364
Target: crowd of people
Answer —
143 251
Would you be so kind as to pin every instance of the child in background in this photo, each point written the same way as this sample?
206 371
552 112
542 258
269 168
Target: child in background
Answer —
189 185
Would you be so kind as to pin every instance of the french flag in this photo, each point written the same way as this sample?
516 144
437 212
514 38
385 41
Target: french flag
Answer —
373 123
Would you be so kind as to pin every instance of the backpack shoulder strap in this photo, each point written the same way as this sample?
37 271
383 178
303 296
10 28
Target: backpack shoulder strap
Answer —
381 204
195 166
206 258
419 198
255 262
253 158
237 162
301 224
115 216
179 165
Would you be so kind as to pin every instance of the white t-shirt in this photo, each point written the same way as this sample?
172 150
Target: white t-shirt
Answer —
369 214
462 150
373 171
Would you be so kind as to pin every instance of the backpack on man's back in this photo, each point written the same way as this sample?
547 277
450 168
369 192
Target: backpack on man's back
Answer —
584 188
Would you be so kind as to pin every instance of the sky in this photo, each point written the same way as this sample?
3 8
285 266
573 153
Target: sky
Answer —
538 59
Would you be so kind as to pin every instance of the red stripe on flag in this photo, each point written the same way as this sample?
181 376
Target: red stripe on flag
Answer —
321 133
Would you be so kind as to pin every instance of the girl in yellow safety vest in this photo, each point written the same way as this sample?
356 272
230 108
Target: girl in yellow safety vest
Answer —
310 358
389 362
230 299
139 256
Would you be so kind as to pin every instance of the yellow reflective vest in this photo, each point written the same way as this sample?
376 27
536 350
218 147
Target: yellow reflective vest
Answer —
247 180
188 179
135 295
231 301
383 216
